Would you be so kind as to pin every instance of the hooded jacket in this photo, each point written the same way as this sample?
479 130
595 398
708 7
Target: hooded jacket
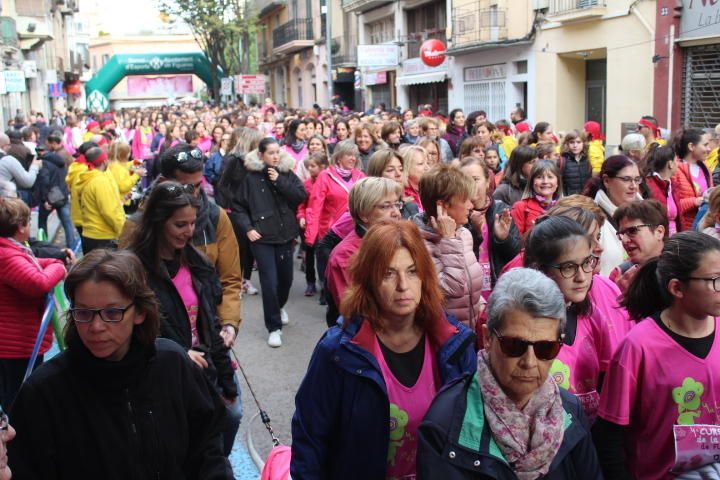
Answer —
455 441
175 323
103 216
328 201
596 155
23 285
269 207
455 136
460 273
73 175
341 425
149 416
124 178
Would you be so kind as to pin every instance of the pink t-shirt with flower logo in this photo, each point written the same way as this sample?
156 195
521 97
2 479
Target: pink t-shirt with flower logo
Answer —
183 283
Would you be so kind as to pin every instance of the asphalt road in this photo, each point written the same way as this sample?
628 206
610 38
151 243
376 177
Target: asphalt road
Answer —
276 373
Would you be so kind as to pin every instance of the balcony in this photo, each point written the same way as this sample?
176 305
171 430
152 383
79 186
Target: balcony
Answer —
360 6
293 36
345 54
567 11
473 27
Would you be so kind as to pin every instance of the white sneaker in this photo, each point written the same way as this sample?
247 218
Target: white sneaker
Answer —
275 339
249 288
284 317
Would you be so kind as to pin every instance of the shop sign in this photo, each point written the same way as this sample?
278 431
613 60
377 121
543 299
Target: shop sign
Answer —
700 18
432 52
487 72
250 84
385 55
14 81
379 78
415 66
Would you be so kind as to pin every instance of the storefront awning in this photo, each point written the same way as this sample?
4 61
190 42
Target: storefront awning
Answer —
421 78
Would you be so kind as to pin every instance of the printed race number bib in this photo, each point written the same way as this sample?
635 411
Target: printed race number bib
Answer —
695 446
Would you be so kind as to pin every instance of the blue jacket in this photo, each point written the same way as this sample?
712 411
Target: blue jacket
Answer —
341 426
455 442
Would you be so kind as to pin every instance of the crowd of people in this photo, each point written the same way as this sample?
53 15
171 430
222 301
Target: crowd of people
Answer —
503 300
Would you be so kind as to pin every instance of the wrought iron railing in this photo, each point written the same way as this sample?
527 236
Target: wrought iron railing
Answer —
558 7
346 50
297 29
473 26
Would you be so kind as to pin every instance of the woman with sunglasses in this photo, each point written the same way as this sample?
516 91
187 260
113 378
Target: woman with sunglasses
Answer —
561 249
118 403
370 382
659 405
618 184
187 287
510 419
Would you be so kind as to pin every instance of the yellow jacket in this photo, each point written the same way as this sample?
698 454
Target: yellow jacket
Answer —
74 171
125 179
508 145
712 160
102 213
596 155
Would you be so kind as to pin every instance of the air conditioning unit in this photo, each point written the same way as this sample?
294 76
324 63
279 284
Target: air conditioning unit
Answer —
541 4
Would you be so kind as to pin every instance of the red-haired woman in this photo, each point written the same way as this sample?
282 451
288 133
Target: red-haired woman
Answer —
370 382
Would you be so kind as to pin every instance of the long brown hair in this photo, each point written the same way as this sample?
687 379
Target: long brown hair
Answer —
379 245
124 270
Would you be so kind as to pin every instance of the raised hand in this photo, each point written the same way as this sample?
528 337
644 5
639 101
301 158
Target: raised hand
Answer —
443 224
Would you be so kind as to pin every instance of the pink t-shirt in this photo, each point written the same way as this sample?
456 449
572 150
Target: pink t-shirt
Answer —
183 283
698 177
408 406
484 260
672 212
609 316
667 397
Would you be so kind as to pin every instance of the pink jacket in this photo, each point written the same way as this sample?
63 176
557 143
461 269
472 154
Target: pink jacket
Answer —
336 273
23 285
459 272
302 208
328 201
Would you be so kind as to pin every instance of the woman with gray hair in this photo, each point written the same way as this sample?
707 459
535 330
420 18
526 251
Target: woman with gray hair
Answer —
372 200
510 419
329 196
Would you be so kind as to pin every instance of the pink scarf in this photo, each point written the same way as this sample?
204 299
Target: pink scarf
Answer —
529 438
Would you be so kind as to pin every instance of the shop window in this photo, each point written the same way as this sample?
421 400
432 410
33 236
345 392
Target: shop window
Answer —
488 96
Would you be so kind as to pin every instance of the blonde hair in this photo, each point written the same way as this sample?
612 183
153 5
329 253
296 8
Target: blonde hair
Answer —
14 213
367 193
119 152
408 156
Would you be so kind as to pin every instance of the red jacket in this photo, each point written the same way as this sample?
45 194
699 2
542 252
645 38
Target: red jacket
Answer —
328 201
410 192
659 189
336 273
685 194
302 208
525 212
23 286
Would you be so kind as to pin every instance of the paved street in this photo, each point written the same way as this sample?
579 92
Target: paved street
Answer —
276 372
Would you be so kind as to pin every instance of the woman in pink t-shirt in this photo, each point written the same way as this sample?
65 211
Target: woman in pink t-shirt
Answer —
660 405
561 248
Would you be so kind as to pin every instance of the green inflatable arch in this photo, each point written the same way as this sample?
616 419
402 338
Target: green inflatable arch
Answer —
121 65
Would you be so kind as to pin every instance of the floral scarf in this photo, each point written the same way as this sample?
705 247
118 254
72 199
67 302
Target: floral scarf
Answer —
529 438
544 202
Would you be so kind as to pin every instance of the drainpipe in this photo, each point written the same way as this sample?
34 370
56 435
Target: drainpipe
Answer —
671 70
642 20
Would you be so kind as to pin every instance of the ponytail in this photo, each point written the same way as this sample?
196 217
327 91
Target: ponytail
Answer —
644 296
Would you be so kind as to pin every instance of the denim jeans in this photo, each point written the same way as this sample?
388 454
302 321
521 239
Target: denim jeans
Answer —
63 213
233 416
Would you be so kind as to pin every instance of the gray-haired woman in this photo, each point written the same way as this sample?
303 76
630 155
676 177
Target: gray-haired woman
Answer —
510 419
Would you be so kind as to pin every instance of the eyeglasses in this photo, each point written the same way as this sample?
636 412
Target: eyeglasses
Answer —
108 315
195 153
629 180
390 206
516 347
715 281
570 269
632 231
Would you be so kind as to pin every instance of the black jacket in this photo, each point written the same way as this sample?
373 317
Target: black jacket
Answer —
55 171
500 252
443 453
269 207
175 323
151 415
574 173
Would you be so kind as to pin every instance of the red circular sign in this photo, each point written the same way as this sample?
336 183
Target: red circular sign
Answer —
432 52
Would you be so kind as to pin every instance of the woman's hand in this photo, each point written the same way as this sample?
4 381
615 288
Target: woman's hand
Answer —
198 358
273 174
443 224
303 223
69 257
253 235
477 218
228 334
503 223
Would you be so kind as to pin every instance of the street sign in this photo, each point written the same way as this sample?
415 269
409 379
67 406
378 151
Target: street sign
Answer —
250 83
14 81
226 86
385 55
432 52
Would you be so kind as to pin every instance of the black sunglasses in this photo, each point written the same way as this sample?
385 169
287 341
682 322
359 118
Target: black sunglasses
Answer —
516 347
181 188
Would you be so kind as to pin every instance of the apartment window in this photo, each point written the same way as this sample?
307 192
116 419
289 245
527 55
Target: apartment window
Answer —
428 17
521 67
381 31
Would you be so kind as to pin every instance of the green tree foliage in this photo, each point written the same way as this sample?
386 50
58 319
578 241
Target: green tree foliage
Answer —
218 26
